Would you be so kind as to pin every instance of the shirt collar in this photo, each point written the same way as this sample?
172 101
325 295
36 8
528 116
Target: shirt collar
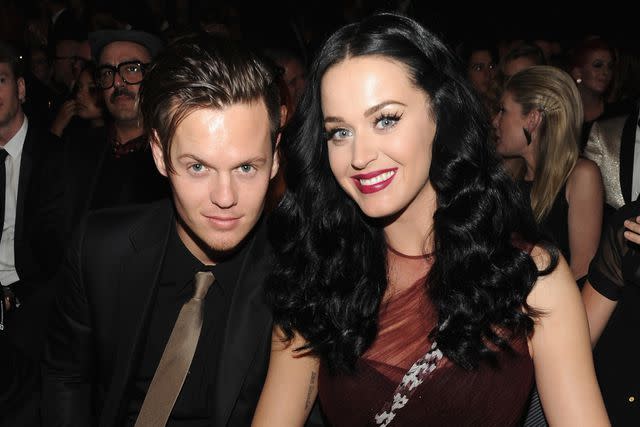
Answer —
15 144
181 265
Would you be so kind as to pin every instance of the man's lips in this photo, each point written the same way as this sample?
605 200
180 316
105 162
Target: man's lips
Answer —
375 181
223 222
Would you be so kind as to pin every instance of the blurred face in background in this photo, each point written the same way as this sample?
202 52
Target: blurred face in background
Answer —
596 72
65 55
87 97
40 66
83 57
518 64
481 70
294 77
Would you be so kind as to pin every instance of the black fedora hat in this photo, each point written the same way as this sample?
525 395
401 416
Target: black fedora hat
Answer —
99 39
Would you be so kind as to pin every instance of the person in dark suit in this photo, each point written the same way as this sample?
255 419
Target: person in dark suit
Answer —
612 299
31 242
212 110
112 165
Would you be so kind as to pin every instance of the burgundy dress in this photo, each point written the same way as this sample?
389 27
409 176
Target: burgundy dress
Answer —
404 380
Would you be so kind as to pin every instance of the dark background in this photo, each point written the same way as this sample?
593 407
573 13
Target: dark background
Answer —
270 21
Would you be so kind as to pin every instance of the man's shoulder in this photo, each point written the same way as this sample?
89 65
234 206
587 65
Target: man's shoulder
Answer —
119 223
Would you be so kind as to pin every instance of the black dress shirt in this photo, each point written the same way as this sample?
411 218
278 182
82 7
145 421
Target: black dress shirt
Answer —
194 404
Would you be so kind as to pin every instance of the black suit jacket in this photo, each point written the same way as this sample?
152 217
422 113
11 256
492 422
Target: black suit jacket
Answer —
102 310
616 354
38 245
84 155
39 209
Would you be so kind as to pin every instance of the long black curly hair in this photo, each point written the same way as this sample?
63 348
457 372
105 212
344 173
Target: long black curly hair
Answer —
330 272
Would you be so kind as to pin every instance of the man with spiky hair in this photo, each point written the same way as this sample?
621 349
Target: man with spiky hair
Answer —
211 110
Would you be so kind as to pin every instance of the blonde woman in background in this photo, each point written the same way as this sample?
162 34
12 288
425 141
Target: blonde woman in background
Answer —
540 120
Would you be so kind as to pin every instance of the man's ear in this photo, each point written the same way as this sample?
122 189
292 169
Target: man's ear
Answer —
158 155
276 156
22 90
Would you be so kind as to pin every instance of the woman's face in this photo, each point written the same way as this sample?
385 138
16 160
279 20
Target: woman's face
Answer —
509 124
380 131
87 98
481 70
597 71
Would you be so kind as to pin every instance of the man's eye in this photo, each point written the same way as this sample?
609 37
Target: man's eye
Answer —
246 168
197 167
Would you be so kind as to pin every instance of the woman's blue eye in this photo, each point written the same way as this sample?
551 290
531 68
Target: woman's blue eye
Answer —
246 168
338 134
387 121
198 167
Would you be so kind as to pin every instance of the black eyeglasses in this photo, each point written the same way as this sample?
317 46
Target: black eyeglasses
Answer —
131 72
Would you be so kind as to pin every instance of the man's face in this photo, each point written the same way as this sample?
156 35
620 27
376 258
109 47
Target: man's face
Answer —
223 161
65 57
83 57
122 98
12 90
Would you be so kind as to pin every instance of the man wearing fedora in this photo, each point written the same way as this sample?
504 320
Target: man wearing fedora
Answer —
112 165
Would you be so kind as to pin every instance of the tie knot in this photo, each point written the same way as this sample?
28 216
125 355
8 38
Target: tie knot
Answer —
204 280
3 154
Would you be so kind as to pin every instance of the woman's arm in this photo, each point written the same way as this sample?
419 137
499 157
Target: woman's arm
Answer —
585 196
291 385
598 308
561 350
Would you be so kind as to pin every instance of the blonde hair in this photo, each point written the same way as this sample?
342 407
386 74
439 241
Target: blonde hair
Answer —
554 94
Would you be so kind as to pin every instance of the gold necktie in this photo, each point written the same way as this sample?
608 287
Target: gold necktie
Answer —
176 358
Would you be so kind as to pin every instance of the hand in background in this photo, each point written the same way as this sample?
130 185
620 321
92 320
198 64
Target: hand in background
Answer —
67 111
632 232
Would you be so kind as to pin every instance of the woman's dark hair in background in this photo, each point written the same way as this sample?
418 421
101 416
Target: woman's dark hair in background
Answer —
331 271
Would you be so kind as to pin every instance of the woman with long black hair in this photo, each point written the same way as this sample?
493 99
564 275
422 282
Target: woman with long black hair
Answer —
411 286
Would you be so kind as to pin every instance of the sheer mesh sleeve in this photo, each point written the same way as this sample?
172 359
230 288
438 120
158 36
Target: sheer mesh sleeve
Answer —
605 271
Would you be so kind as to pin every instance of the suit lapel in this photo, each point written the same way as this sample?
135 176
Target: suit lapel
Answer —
249 320
26 166
627 146
138 278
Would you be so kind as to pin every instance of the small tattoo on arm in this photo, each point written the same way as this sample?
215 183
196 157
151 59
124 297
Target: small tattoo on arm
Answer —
312 383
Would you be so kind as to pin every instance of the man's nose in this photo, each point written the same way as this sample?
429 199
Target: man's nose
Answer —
223 192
